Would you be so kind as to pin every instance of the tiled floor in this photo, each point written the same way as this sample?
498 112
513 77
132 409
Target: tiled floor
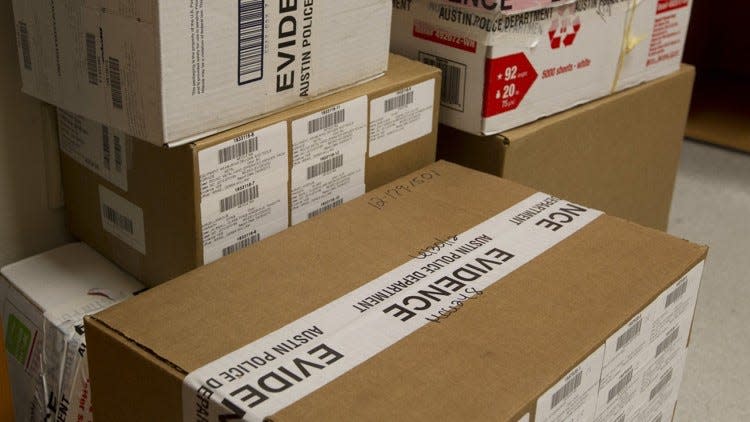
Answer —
712 206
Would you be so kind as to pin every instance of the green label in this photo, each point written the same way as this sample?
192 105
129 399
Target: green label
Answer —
17 339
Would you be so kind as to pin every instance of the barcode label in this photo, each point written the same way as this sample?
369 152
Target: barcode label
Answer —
620 418
628 335
239 199
567 389
241 149
453 77
23 35
677 294
250 41
118 153
325 208
120 221
621 384
399 101
106 152
242 244
321 123
325 167
660 386
657 418
671 338
115 82
91 64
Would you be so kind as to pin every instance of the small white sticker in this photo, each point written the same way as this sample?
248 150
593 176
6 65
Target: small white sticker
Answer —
101 149
401 117
228 244
574 396
328 151
267 213
252 156
122 219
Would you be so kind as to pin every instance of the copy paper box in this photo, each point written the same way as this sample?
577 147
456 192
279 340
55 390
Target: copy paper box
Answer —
44 299
169 72
618 154
448 294
161 212
504 71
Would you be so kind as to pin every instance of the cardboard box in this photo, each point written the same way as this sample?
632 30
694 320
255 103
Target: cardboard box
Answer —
501 71
43 301
447 295
721 103
169 72
619 154
161 212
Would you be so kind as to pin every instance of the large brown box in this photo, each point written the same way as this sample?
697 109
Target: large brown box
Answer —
618 154
160 212
578 310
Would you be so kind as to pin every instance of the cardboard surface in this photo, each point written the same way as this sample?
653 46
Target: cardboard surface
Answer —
178 215
44 299
171 72
490 360
501 72
618 154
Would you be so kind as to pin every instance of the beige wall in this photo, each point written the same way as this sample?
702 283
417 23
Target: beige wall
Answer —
28 224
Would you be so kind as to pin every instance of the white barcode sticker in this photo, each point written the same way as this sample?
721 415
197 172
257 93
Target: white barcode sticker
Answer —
101 149
122 219
328 150
453 89
659 394
240 239
339 336
574 396
255 156
256 208
401 117
314 197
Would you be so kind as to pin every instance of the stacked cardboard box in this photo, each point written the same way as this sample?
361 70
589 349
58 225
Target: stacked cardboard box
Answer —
160 212
168 72
619 153
191 131
485 300
43 301
502 71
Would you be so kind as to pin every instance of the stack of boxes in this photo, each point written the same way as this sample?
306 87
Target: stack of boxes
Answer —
192 132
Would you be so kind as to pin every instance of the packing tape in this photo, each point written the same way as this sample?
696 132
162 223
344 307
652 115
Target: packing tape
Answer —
629 42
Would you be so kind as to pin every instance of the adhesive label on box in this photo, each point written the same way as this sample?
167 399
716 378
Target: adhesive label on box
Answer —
234 238
122 219
249 215
574 396
328 151
401 117
277 370
255 155
101 149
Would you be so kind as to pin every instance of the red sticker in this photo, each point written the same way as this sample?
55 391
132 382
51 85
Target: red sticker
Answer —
508 79
425 31
665 6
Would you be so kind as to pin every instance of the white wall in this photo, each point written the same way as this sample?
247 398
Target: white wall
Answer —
28 222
